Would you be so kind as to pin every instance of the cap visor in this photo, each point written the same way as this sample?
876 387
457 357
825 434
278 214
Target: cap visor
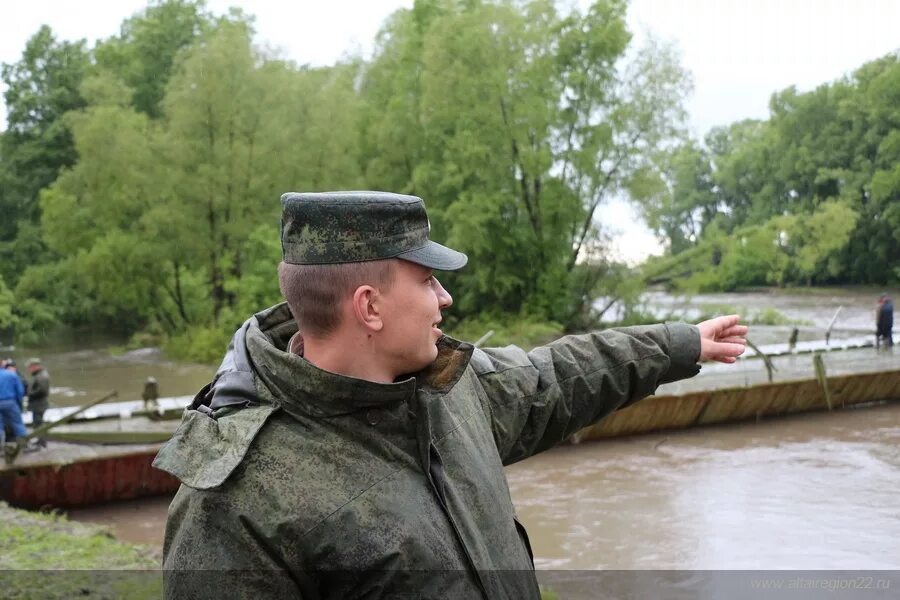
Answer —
436 256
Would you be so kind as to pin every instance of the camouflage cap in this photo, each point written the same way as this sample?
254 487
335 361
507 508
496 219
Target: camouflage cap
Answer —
341 227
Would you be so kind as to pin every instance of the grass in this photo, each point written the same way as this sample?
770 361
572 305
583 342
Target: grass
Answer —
48 556
548 593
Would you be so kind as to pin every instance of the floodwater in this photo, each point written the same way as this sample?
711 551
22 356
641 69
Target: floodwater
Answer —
810 310
78 376
84 369
806 492
140 521
815 491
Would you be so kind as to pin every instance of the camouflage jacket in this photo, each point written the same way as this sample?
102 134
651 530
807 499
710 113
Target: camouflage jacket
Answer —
39 390
301 483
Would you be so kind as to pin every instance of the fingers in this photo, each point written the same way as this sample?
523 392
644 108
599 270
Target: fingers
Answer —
734 331
727 322
710 350
726 349
719 326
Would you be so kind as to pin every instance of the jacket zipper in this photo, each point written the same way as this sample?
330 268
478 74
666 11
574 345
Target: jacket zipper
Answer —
437 473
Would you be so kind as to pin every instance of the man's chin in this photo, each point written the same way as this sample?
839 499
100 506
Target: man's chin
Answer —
432 356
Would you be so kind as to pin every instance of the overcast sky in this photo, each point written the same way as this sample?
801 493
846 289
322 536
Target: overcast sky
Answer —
738 51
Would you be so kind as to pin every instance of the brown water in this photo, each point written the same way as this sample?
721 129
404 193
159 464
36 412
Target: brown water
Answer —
814 306
140 521
810 310
812 491
79 376
83 369
807 492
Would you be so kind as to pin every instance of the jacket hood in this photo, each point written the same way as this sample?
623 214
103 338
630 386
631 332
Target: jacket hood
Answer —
258 377
298 385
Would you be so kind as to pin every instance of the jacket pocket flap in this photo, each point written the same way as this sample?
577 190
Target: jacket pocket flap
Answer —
204 451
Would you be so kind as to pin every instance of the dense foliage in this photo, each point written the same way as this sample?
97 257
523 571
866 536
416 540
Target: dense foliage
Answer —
812 195
144 174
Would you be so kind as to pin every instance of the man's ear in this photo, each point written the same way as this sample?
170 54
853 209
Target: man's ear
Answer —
366 308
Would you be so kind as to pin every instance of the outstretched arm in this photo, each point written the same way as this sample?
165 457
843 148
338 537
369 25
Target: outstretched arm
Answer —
537 399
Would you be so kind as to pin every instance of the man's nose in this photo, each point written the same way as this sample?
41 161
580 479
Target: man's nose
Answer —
444 297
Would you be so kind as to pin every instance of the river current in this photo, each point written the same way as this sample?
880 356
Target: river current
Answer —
814 491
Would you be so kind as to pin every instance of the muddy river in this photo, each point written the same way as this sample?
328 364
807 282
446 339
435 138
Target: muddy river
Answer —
807 492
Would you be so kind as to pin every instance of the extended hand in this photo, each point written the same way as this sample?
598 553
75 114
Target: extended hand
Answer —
722 339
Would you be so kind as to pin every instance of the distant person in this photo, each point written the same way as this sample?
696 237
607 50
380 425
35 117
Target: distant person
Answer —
38 394
884 321
12 392
10 365
792 341
151 394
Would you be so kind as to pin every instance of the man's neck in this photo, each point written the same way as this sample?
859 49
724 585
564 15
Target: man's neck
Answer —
350 358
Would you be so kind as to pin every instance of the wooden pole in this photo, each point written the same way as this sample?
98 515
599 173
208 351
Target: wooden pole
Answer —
831 324
770 366
11 455
819 364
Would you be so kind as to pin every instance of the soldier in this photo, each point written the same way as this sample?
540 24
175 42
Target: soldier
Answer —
348 449
150 395
38 394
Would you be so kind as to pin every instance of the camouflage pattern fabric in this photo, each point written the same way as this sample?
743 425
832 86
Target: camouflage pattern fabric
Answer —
338 227
39 391
343 227
305 484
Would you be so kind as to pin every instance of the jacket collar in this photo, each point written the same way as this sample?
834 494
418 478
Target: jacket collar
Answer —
297 384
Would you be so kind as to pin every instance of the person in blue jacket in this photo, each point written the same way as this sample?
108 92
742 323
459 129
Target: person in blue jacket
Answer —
12 393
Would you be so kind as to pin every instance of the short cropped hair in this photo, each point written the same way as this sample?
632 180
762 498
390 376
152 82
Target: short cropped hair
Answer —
314 292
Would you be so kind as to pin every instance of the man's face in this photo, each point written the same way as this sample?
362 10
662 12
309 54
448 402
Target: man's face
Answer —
411 312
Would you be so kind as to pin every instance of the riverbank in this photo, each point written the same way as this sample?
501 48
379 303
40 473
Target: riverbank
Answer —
49 556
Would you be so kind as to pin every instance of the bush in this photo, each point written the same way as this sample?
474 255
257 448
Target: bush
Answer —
203 344
524 331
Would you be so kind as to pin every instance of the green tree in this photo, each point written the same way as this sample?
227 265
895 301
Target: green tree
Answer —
515 154
161 224
239 132
144 53
37 144
682 201
96 214
821 237
837 143
7 299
